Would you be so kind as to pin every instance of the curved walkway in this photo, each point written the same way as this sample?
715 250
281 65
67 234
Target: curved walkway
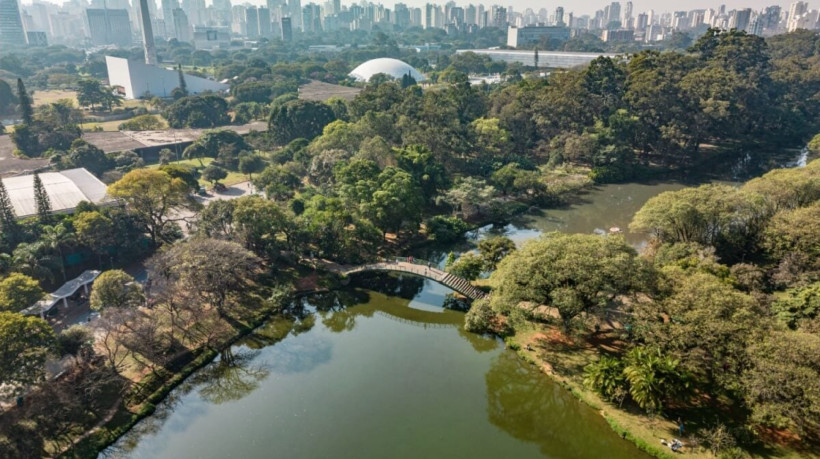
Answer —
419 268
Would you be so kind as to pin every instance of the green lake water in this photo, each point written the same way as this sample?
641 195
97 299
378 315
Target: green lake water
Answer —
359 374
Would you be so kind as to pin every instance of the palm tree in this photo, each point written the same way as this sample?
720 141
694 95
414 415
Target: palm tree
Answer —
31 260
54 238
654 378
605 376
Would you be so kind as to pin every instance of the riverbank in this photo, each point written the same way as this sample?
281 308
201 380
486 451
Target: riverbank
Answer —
563 359
141 399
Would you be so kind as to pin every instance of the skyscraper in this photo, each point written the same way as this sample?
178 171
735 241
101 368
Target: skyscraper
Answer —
168 7
287 30
251 22
109 27
11 23
264 22
559 16
182 27
295 9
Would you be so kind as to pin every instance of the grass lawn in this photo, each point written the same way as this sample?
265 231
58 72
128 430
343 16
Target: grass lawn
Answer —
106 125
53 95
232 179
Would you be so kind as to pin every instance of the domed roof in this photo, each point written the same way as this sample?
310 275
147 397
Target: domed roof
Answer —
392 67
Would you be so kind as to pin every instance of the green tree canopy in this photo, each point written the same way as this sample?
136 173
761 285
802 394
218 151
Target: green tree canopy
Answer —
25 342
18 291
115 289
574 273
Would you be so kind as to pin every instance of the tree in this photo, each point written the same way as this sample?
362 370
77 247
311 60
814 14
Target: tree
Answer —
83 154
469 195
90 92
154 197
606 377
214 174
573 273
395 201
479 318
41 200
215 270
298 119
25 342
654 378
782 382
54 238
18 291
26 106
8 221
704 323
115 289
183 87
76 341
96 231
142 123
206 111
251 164
468 266
798 304
494 249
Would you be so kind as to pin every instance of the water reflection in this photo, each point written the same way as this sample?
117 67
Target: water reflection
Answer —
233 376
521 404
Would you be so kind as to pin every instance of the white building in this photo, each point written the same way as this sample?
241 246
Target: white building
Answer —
65 190
139 79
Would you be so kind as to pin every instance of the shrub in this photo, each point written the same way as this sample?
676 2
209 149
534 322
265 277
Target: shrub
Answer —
480 317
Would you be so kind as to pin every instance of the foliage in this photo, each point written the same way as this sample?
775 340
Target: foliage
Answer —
18 291
142 123
214 174
606 377
654 378
205 111
153 196
115 289
782 384
493 249
41 199
480 317
90 93
298 119
212 269
468 266
573 273
798 304
24 345
445 229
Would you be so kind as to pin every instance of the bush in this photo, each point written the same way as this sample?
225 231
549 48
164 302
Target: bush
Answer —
479 318
446 229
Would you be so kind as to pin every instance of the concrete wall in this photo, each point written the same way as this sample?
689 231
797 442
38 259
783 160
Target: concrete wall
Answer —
138 79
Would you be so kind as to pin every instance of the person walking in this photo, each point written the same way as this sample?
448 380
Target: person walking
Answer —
680 426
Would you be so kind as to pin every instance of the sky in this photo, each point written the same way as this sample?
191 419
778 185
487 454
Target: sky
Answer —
578 7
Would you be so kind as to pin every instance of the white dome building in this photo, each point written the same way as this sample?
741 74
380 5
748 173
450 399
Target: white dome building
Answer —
391 67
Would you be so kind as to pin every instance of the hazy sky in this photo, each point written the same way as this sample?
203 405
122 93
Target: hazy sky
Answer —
582 7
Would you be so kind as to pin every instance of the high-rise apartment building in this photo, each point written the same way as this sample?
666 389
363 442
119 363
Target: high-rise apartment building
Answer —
11 23
251 22
295 9
168 7
109 27
265 29
287 29
182 27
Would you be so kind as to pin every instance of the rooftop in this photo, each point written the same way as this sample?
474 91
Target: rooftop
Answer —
65 190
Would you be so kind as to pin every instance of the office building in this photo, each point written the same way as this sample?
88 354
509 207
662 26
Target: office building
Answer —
533 35
109 27
287 29
11 23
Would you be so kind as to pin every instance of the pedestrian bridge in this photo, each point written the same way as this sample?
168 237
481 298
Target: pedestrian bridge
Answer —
419 268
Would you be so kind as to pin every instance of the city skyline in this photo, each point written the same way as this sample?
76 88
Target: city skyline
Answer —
580 7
